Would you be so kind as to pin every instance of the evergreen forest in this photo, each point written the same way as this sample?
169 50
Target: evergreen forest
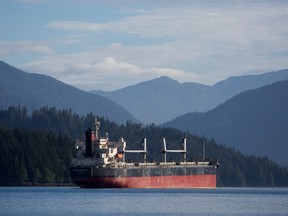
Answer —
37 148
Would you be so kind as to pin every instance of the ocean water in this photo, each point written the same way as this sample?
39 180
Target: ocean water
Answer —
70 201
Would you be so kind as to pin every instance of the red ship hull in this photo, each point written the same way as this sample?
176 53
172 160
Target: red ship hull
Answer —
192 181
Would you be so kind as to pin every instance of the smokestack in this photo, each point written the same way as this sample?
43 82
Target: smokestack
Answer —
89 142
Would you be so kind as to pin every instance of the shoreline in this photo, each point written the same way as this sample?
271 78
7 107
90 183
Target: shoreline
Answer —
32 184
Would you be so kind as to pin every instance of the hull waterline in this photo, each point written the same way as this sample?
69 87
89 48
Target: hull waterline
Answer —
198 181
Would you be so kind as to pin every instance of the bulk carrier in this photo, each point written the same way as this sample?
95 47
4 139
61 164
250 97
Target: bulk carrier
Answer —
101 163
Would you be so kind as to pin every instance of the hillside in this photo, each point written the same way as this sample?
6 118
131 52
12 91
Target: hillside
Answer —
34 90
162 99
33 156
253 122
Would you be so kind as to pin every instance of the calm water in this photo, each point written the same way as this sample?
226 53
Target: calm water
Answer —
74 201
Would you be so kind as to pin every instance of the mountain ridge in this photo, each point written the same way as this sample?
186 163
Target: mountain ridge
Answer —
253 122
162 99
35 90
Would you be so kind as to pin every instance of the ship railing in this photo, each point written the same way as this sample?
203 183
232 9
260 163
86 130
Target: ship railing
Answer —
160 164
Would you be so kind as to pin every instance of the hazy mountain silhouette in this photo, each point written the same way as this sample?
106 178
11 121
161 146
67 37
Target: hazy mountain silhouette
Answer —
34 90
156 100
254 122
162 99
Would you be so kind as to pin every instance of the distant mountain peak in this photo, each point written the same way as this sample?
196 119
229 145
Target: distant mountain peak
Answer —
161 99
165 79
160 81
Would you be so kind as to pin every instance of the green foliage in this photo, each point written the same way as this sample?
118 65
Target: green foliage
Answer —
38 148
34 156
242 170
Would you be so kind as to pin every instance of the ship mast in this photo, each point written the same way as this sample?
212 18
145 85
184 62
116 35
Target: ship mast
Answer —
203 151
97 127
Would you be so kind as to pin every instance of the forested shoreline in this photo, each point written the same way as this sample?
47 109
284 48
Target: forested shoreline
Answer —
37 149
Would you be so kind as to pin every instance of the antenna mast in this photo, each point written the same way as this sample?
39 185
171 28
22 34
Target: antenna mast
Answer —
97 125
203 151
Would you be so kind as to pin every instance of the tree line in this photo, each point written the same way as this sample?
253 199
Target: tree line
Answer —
34 157
38 147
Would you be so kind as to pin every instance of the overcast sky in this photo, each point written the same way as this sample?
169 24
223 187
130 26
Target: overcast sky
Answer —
110 44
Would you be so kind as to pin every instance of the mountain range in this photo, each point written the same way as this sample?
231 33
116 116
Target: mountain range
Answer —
162 99
34 91
248 113
253 122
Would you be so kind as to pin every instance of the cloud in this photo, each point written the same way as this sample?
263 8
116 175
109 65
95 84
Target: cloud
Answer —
200 41
78 26
31 1
10 48
182 22
110 64
108 73
205 30
88 73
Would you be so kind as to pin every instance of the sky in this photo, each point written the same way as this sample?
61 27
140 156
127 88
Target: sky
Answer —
111 44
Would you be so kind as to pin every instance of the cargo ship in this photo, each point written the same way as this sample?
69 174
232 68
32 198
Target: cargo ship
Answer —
101 163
